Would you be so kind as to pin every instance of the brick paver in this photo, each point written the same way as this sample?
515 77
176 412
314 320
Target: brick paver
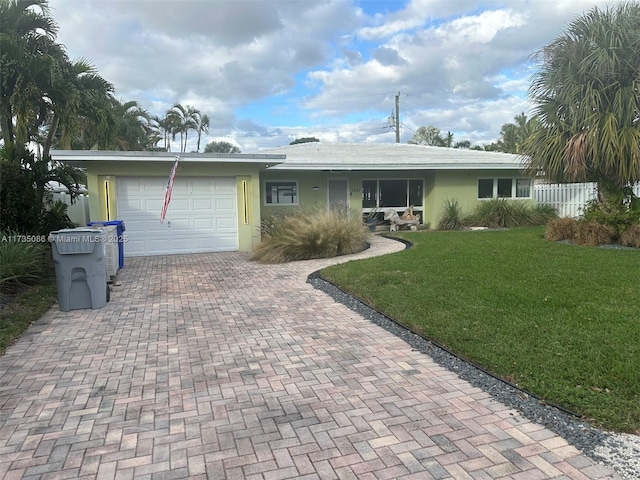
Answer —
210 366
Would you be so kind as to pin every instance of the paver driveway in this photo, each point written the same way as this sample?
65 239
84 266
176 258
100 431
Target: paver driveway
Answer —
208 366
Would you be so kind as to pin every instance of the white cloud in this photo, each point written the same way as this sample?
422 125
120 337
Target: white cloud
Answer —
335 65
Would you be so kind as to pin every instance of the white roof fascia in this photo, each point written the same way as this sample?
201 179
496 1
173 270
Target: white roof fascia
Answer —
398 166
69 156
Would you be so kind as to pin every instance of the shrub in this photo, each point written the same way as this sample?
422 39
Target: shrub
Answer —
631 236
615 214
56 218
501 213
23 263
593 234
309 235
451 216
561 229
542 214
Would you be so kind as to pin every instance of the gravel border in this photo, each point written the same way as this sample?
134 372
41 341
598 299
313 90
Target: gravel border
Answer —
618 451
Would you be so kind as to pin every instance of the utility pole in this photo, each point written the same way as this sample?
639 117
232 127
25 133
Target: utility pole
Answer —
398 118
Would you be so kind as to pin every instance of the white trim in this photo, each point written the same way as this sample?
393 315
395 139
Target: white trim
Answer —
514 189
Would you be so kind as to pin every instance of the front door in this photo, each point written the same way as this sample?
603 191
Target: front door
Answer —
339 195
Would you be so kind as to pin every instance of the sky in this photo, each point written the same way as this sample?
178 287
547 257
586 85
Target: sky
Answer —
269 71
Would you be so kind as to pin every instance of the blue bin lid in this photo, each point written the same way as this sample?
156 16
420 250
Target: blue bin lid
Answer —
119 223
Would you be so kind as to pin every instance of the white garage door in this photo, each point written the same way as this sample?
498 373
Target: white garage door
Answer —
202 215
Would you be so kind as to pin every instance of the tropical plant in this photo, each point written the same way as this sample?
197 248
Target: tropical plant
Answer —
182 120
221 147
29 60
202 127
587 103
513 135
24 185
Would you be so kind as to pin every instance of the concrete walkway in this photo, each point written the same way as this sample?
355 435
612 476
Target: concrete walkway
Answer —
208 366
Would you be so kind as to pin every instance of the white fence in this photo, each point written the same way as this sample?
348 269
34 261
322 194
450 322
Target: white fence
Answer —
569 198
78 211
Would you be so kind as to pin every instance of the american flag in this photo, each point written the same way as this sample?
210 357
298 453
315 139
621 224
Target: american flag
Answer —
167 193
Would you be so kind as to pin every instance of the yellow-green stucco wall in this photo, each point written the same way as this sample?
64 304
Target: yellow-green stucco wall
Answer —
439 186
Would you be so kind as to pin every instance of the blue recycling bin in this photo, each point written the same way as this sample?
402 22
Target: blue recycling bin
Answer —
120 229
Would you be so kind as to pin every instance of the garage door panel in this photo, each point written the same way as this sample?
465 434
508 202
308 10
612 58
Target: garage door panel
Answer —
202 215
224 224
204 224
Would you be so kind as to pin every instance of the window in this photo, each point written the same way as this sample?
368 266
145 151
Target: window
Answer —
523 188
392 193
504 188
485 188
281 193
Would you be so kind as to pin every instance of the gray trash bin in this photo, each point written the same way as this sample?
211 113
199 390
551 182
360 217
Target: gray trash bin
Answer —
81 276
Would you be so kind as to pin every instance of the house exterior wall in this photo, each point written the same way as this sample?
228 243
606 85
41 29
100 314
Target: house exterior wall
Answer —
439 186
102 178
460 185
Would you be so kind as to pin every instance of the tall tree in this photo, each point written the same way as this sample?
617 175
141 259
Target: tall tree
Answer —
587 100
203 127
428 135
81 102
513 135
29 59
221 147
183 119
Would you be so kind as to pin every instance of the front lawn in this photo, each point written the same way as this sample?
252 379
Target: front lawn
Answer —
561 321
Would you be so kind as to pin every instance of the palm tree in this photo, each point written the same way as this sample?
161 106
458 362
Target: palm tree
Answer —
81 105
203 127
587 101
29 60
513 135
182 121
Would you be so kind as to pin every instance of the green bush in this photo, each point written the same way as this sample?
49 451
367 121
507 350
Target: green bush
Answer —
56 217
503 213
308 235
23 262
615 214
451 216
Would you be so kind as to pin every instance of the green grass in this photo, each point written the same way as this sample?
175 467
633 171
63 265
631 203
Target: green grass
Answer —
22 309
562 321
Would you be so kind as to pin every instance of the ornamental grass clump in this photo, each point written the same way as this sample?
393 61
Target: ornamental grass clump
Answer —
631 237
593 234
451 216
310 235
561 229
505 213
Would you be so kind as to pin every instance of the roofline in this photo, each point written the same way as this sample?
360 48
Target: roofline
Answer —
120 156
399 166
